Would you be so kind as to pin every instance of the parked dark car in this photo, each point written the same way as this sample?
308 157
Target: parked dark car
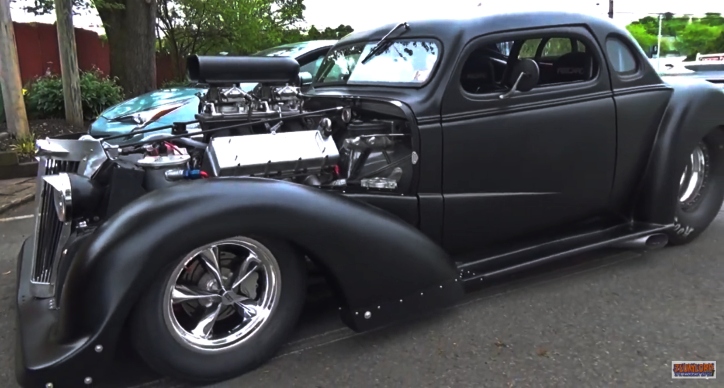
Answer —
428 157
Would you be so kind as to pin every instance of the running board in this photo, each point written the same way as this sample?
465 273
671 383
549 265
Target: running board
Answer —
628 236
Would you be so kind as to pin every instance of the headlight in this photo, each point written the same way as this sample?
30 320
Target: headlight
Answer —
62 195
73 195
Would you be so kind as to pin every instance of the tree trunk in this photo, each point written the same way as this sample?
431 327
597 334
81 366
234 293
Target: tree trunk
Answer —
12 88
131 36
69 63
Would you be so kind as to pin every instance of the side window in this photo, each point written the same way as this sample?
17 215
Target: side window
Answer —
562 60
622 59
557 47
505 47
312 66
529 48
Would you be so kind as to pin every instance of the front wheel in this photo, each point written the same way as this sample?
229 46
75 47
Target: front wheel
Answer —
221 311
701 190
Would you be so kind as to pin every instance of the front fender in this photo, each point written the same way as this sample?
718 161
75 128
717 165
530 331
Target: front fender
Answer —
374 257
695 109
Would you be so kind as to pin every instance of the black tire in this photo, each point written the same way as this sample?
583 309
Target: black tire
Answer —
156 345
693 217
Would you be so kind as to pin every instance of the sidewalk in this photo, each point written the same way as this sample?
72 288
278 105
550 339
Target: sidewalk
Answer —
15 192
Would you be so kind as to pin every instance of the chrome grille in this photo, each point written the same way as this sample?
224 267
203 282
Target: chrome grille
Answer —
50 233
49 226
83 157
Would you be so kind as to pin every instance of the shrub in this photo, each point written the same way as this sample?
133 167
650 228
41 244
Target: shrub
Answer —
25 146
98 93
44 99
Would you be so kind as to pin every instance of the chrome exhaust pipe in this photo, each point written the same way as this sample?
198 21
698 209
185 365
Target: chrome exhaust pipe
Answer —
652 241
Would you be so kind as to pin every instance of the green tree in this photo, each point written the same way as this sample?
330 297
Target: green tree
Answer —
690 35
334 33
712 19
699 38
130 28
644 38
233 26
717 45
328 33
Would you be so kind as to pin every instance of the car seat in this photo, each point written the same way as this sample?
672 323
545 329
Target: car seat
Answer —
478 74
572 67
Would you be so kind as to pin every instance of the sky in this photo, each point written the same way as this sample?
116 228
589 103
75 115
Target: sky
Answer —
364 14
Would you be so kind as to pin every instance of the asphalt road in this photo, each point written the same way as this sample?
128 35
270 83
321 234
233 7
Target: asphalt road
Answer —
608 319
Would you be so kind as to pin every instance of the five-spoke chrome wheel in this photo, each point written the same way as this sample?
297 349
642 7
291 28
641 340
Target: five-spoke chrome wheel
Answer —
693 179
221 294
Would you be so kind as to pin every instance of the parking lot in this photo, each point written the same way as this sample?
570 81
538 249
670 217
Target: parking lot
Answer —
613 318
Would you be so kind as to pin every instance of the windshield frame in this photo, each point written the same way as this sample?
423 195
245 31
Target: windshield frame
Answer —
307 46
372 42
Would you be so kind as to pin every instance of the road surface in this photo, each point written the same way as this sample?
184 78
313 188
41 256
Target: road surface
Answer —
609 319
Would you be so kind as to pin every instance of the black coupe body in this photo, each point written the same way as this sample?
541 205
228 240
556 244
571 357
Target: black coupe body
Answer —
427 156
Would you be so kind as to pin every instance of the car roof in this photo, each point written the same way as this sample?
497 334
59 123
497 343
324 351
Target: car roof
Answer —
454 29
450 27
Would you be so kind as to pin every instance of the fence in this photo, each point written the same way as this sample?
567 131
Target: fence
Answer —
38 52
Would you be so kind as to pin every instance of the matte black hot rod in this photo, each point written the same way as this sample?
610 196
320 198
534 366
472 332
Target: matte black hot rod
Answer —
428 155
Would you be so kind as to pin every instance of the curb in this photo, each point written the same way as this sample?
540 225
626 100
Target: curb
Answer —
16 202
19 170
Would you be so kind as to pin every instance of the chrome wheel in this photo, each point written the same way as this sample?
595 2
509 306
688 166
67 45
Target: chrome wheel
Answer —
222 294
693 180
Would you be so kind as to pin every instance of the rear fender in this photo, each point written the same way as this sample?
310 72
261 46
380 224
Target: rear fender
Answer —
376 260
695 109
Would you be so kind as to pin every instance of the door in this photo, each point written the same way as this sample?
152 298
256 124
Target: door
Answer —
533 162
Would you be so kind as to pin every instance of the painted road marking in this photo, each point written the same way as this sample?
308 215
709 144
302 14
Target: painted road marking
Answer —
8 219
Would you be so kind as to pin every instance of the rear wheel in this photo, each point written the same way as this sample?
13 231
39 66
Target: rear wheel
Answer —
701 190
221 311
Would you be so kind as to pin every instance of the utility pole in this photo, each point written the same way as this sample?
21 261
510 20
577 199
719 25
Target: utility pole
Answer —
12 85
69 63
658 45
610 9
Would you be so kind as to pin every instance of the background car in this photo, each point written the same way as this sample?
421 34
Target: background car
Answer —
165 106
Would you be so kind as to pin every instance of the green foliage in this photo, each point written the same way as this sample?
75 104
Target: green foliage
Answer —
98 93
699 38
234 26
328 33
45 100
238 27
45 97
681 34
43 7
644 38
24 146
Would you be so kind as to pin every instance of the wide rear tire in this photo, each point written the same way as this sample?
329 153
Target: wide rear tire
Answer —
701 190
188 328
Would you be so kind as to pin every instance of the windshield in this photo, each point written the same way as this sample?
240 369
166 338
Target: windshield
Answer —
401 62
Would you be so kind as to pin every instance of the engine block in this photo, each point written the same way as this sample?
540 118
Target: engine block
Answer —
273 154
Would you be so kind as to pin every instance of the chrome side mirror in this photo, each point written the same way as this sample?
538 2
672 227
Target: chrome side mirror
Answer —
526 74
